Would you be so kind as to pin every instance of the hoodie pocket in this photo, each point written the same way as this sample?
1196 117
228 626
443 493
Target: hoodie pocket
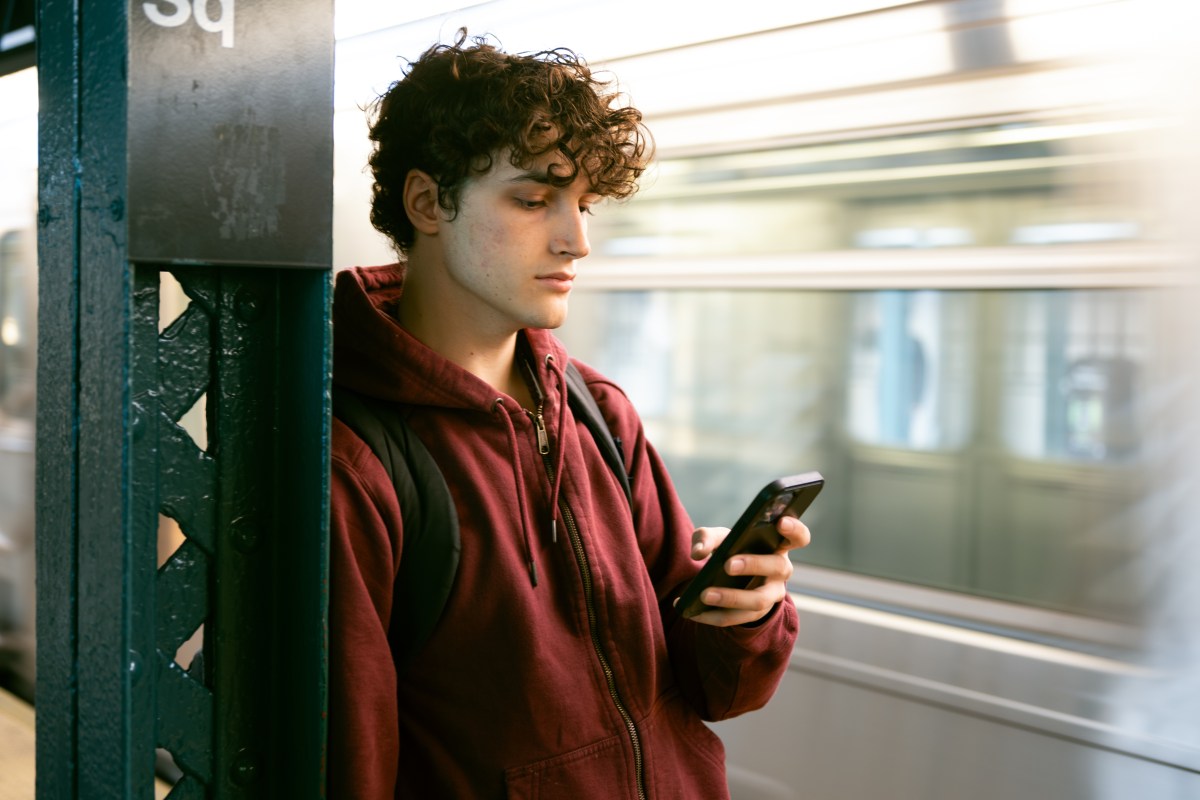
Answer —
685 760
602 769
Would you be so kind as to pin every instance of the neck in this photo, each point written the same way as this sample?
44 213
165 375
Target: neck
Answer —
489 355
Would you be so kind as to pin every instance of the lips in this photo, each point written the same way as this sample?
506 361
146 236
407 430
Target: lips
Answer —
557 281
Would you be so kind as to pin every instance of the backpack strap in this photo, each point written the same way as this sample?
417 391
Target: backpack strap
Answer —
583 405
432 544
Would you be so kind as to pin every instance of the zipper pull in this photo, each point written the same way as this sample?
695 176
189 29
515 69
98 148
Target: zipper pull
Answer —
543 438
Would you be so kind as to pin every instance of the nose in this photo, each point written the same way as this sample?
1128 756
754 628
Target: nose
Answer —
571 237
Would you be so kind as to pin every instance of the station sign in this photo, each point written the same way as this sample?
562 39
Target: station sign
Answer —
230 132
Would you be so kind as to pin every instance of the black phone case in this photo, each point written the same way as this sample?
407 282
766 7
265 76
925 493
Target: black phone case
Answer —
753 533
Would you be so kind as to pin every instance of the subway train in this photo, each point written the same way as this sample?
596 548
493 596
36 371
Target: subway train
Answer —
928 248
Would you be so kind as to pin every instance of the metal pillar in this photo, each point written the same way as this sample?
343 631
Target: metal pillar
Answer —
192 137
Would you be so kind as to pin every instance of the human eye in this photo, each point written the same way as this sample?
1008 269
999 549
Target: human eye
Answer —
530 203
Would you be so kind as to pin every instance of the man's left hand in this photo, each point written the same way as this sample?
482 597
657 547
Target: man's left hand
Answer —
770 573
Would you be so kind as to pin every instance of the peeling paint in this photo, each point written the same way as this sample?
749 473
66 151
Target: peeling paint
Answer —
247 179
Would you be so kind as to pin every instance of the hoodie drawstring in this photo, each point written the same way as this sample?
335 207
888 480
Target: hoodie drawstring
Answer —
519 476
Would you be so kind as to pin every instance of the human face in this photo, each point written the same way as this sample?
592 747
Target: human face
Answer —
509 253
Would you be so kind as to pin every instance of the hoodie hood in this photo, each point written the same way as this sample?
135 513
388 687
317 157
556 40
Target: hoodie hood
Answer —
375 356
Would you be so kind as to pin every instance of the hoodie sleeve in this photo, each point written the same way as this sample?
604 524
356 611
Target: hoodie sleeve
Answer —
365 537
723 672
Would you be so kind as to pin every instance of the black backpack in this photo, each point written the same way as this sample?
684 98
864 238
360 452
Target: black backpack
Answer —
432 544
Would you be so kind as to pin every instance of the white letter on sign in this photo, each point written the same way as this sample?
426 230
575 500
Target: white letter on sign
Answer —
222 25
182 12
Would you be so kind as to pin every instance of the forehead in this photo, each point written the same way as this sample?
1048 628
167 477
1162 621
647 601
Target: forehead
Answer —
549 169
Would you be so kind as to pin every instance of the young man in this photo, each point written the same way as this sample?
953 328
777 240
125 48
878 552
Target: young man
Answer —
558 667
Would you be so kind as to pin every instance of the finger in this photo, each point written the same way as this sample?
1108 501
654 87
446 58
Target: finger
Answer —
705 540
794 532
739 606
726 618
758 599
775 566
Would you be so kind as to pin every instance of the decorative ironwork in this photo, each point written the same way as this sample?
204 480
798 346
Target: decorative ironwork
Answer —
221 716
179 369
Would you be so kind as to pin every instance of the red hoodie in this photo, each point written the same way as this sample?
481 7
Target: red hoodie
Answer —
585 685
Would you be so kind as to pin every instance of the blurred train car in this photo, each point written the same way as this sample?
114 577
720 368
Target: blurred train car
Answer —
920 247
18 347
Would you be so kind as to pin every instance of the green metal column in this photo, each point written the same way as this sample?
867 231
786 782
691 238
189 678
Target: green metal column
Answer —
193 138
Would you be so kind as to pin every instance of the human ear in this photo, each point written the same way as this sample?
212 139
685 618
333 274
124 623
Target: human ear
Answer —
421 201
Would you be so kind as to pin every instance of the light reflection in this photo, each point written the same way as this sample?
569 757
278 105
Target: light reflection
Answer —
1074 232
1041 30
883 238
10 334
896 45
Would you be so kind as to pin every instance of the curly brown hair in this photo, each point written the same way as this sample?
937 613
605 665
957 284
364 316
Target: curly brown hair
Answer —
459 106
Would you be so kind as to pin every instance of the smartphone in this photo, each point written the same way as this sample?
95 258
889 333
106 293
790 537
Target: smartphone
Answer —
754 533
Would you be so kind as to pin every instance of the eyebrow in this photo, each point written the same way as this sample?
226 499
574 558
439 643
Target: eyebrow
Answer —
543 178
536 177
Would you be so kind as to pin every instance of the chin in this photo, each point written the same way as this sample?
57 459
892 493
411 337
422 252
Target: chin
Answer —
550 319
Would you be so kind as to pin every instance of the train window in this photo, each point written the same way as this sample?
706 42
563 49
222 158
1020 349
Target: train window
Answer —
910 372
976 441
1071 363
17 349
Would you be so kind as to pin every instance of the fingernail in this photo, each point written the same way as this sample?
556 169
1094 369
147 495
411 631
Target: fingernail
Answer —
697 547
712 597
736 565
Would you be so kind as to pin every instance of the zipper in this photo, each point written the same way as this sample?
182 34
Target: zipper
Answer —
609 676
585 571
539 422
543 438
